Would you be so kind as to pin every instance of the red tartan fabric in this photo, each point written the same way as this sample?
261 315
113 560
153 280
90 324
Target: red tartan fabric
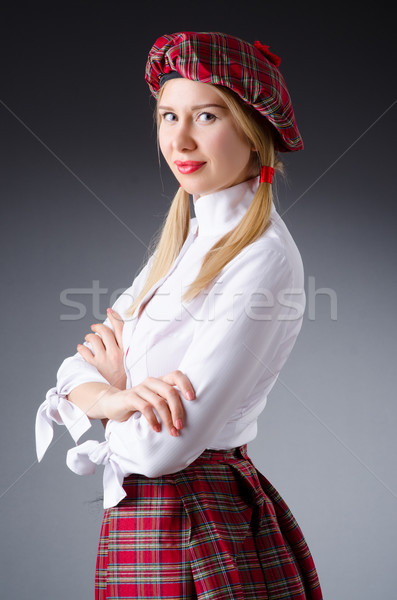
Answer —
221 59
217 530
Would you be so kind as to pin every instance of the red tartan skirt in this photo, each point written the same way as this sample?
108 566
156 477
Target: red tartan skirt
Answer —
217 530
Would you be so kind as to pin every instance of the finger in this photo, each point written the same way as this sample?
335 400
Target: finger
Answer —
118 324
174 414
162 409
115 315
182 381
96 343
85 353
138 403
107 335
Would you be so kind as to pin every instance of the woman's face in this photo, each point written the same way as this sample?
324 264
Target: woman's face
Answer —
199 138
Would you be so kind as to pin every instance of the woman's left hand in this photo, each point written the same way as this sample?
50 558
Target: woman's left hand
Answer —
108 356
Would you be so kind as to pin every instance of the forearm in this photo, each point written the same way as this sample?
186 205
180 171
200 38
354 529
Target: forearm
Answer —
91 398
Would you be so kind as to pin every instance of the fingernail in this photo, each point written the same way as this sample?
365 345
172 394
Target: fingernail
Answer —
189 395
179 424
174 432
110 310
157 428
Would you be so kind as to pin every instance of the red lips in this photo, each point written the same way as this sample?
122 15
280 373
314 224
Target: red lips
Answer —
188 166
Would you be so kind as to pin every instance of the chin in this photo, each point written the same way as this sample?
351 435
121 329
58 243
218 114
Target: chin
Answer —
195 191
193 185
192 189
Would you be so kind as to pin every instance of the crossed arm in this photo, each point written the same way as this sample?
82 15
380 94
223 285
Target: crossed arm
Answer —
101 401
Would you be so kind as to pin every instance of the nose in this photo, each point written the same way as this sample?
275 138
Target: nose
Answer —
183 139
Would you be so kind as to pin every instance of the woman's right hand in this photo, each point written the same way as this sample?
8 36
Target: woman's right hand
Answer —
152 393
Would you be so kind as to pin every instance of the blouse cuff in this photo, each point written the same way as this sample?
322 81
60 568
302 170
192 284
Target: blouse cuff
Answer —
83 460
57 408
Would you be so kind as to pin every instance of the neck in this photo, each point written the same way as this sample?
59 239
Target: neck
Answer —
220 211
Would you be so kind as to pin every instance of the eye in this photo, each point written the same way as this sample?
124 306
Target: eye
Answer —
168 116
206 117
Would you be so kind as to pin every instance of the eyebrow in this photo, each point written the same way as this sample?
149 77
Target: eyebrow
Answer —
195 107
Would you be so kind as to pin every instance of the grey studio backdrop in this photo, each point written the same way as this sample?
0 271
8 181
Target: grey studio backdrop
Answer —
82 194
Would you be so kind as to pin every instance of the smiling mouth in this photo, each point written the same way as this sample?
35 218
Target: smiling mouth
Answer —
187 167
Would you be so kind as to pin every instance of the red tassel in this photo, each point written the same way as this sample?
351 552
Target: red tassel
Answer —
276 60
266 175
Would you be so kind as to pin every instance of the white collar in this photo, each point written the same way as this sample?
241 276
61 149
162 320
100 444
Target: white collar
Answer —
219 212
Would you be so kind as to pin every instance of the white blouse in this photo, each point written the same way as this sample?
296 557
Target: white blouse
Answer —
231 341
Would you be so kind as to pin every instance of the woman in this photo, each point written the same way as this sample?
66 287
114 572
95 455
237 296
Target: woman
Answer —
196 343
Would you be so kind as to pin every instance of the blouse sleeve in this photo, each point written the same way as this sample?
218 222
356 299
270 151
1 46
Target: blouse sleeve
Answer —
247 327
74 371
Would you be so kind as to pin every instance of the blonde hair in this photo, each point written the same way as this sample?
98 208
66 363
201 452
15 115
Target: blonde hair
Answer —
168 242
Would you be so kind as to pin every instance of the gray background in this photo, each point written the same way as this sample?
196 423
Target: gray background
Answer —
81 197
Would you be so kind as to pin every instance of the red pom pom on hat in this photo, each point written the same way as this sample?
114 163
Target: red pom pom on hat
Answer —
276 60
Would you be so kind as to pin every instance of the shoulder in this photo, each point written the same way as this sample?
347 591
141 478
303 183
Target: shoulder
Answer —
273 254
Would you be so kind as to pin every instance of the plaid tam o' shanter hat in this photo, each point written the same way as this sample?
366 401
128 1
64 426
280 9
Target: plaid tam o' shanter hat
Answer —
249 70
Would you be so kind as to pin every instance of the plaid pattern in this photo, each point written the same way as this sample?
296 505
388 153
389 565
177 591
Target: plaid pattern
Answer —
217 530
229 61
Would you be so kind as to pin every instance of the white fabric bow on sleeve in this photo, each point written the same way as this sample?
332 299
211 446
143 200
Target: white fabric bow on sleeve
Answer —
57 408
83 460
